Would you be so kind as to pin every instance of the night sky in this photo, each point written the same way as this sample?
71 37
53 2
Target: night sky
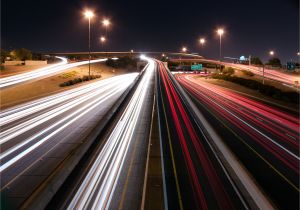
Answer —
251 27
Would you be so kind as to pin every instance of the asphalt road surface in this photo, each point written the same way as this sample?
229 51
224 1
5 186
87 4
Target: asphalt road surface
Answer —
116 176
194 176
36 137
263 137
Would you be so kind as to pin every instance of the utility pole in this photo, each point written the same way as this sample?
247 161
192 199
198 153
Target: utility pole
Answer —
89 47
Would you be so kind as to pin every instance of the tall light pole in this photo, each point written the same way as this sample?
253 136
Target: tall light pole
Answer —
220 32
271 53
102 40
298 54
202 42
106 23
183 49
89 14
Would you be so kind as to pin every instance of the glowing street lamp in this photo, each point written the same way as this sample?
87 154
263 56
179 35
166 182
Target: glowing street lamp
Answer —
271 52
102 40
202 41
89 14
106 23
220 32
184 50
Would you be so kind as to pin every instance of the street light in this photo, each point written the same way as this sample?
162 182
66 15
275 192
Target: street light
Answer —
202 41
220 32
271 53
102 40
106 23
89 14
183 49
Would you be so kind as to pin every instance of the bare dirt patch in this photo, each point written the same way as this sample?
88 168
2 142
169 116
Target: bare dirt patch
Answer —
36 89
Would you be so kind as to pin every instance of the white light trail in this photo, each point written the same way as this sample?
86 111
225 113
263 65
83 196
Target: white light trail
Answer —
85 98
99 184
43 72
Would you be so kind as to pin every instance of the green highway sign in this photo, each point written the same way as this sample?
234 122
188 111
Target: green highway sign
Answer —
291 66
196 67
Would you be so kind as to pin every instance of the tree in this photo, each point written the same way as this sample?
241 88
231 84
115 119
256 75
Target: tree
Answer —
4 54
256 61
228 71
274 62
23 54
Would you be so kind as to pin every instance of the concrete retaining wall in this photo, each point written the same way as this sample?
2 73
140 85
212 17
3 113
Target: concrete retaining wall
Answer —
13 63
27 62
32 63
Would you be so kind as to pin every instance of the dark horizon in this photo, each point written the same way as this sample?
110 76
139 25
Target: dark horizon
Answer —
251 28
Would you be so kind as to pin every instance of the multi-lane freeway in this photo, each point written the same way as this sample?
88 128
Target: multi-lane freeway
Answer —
264 138
282 77
102 187
38 136
268 73
220 149
42 72
194 176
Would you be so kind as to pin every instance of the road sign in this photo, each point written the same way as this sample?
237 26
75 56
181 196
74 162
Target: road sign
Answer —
291 66
196 67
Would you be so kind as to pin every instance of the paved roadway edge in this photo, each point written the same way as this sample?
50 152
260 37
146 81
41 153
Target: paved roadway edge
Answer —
245 183
45 192
147 160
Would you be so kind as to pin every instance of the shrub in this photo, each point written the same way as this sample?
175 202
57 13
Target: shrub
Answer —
78 80
248 73
228 71
267 90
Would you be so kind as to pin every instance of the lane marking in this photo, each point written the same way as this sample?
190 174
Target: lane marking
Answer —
253 150
172 156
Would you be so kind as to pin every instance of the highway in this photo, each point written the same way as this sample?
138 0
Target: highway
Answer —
121 160
264 138
194 176
38 136
275 75
268 73
42 72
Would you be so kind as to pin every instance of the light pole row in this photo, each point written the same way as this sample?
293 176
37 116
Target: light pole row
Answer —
89 15
202 41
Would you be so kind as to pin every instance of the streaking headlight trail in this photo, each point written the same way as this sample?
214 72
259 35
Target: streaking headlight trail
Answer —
43 72
26 127
97 189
